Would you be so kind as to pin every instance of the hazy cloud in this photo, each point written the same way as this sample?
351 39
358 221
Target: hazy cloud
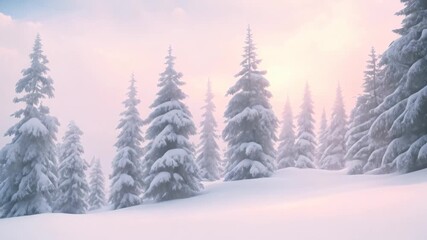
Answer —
94 46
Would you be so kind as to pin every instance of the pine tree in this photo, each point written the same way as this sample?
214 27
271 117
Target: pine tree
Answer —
73 187
305 144
286 151
357 138
97 189
29 161
402 114
208 158
333 157
322 137
250 121
126 179
170 169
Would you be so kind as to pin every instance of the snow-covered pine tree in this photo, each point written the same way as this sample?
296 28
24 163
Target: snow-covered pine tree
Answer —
208 158
322 137
286 151
72 184
29 161
358 145
403 113
170 168
333 157
250 121
96 185
305 143
126 179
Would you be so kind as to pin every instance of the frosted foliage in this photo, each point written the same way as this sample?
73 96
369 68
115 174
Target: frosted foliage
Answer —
126 179
333 157
358 144
305 145
73 187
208 157
402 114
28 163
374 160
250 121
286 151
97 186
322 136
170 171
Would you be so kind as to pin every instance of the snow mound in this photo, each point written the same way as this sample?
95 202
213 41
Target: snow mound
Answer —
293 204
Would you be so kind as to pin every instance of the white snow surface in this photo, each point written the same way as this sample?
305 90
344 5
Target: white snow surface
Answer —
293 204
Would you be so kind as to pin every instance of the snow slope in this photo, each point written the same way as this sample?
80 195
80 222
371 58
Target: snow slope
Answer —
293 204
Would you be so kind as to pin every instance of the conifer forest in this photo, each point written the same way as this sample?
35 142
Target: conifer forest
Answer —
213 119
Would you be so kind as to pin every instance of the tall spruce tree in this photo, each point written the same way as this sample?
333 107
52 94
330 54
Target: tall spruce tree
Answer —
322 137
208 158
29 161
305 144
250 121
126 180
170 169
97 186
358 146
286 151
402 114
333 157
72 184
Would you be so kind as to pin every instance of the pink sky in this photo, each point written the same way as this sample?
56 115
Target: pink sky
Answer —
94 48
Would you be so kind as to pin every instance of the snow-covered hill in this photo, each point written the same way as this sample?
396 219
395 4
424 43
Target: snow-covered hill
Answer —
294 204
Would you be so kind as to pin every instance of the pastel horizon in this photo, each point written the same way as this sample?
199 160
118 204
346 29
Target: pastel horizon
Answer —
94 49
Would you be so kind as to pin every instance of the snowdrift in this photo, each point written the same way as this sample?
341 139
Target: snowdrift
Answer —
293 204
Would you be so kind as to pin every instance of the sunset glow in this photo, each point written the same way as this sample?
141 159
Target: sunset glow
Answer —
94 47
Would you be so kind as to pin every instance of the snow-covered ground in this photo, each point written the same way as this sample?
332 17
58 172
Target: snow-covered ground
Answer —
294 204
